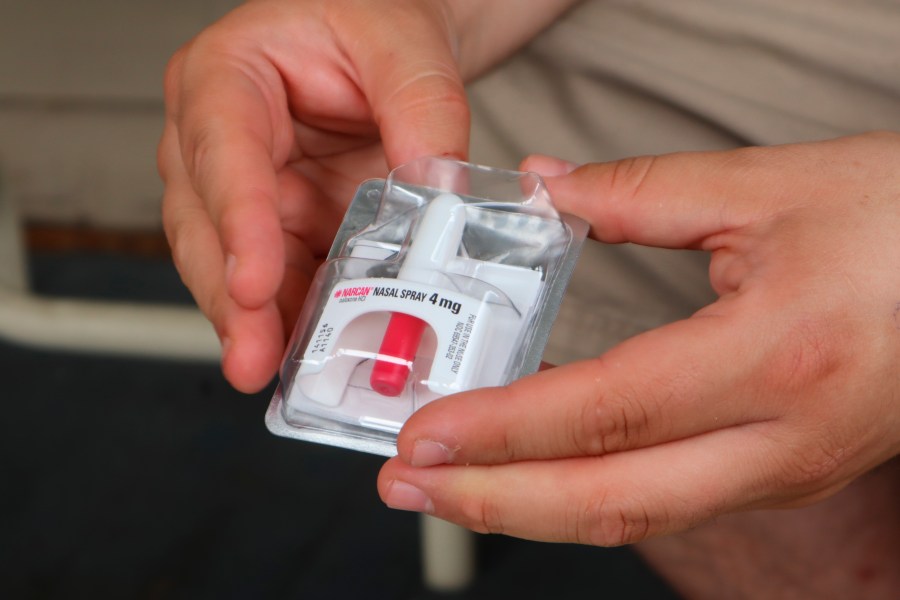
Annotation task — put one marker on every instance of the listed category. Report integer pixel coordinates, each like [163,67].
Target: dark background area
[128,478]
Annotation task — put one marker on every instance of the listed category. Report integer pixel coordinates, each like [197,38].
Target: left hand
[776,395]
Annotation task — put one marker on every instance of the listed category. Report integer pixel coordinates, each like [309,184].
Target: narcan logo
[353,292]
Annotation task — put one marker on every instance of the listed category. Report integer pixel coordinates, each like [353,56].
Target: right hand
[274,115]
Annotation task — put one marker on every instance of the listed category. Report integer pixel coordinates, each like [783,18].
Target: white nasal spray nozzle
[435,243]
[436,240]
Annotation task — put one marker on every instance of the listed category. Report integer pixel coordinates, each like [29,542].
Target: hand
[274,115]
[777,395]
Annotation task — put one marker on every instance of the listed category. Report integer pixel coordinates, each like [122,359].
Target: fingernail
[403,496]
[230,267]
[427,453]
[226,346]
[550,166]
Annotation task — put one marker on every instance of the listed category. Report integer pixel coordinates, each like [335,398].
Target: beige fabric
[615,78]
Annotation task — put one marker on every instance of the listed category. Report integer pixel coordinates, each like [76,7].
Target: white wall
[81,104]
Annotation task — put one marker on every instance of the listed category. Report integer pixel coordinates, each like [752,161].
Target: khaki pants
[616,78]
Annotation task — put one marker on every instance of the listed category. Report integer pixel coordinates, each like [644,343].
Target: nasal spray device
[443,278]
[436,242]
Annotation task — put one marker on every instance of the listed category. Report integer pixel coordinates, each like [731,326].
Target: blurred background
[143,475]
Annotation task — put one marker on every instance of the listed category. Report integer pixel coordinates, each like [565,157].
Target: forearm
[490,30]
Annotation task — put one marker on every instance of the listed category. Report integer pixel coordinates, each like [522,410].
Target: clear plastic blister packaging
[443,278]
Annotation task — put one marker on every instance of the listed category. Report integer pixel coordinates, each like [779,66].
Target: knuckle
[814,465]
[441,84]
[431,88]
[609,520]
[483,515]
[172,75]
[604,427]
[452,100]
[623,187]
[611,421]
[591,432]
[808,355]
[629,176]
[197,147]
[509,446]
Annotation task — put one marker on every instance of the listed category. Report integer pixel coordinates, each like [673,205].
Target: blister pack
[443,278]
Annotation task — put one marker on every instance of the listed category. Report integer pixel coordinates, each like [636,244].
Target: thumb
[409,74]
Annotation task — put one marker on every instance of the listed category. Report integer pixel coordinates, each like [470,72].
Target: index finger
[232,137]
